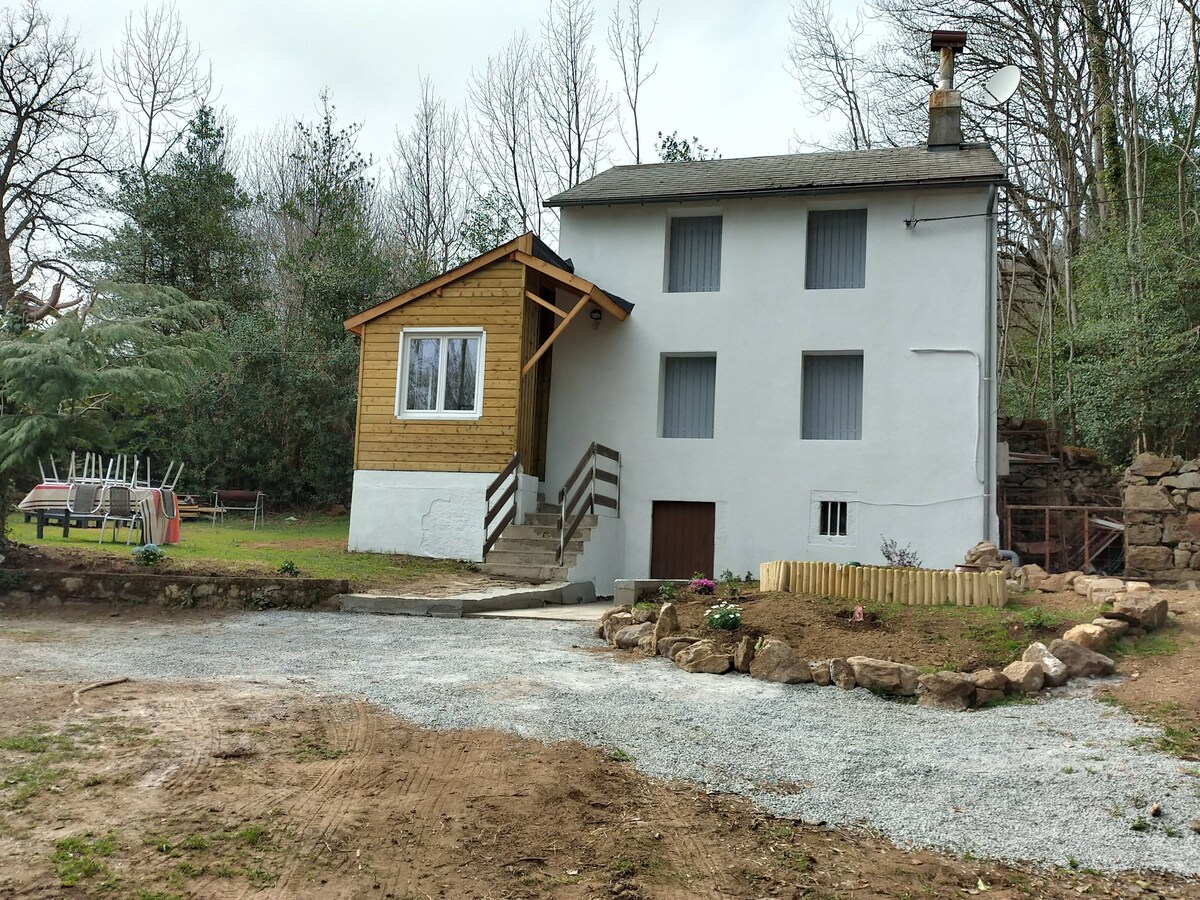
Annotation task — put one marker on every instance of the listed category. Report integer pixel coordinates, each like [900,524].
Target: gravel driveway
[1051,782]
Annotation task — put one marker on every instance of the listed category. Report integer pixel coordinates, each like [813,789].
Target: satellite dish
[1001,86]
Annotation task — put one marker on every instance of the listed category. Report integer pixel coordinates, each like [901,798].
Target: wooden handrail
[499,479]
[505,505]
[584,461]
[579,496]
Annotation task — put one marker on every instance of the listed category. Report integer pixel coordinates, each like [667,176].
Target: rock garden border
[1077,654]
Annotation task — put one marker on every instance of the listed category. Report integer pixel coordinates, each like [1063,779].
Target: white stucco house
[726,362]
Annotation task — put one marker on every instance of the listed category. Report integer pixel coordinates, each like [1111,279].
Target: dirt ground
[1163,684]
[154,791]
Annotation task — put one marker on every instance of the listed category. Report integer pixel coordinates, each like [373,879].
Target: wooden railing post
[508,498]
[580,495]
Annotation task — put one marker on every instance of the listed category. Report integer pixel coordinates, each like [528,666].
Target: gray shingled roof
[800,173]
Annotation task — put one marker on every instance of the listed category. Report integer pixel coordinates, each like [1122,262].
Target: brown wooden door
[682,538]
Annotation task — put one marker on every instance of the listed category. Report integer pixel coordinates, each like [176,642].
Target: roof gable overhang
[527,250]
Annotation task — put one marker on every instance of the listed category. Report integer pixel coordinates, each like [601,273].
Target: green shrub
[724,616]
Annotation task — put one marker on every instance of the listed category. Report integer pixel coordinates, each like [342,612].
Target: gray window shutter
[837,249]
[694,262]
[833,389]
[689,389]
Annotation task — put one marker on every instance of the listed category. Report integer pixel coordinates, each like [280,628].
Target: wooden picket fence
[884,584]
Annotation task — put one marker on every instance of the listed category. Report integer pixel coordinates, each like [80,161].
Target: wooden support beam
[562,326]
[550,306]
[566,279]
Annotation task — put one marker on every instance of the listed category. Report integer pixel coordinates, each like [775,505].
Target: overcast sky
[721,64]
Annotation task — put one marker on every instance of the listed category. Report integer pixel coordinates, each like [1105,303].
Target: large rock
[1115,627]
[1143,534]
[743,655]
[778,662]
[642,614]
[704,656]
[629,636]
[673,643]
[1103,588]
[990,680]
[1033,575]
[608,614]
[984,696]
[1148,498]
[1150,559]
[1146,610]
[820,672]
[946,690]
[1082,584]
[1025,677]
[1062,581]
[615,623]
[667,624]
[1151,465]
[842,674]
[1054,672]
[1091,636]
[1080,661]
[1188,481]
[884,676]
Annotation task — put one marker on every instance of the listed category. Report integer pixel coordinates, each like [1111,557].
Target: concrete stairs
[529,552]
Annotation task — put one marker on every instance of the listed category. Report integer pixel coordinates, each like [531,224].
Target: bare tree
[575,110]
[158,75]
[628,40]
[828,67]
[503,138]
[56,134]
[428,189]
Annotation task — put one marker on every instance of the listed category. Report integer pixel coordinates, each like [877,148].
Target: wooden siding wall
[491,298]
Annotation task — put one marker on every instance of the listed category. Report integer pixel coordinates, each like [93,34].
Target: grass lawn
[315,544]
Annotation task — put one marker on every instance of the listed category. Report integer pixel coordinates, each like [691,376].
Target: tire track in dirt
[318,815]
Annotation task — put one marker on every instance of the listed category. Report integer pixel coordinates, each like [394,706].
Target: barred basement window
[833,518]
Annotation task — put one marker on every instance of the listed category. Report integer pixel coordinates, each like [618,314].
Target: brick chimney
[945,103]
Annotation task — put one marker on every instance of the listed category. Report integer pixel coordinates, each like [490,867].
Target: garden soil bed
[937,637]
[225,790]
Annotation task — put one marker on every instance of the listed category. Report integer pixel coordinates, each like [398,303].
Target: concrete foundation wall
[438,514]
[603,556]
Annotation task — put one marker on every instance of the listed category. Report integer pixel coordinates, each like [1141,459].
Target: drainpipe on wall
[991,527]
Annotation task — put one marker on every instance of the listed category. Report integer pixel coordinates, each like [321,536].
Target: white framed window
[440,373]
[833,518]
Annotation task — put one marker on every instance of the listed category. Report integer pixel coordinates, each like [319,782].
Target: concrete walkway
[510,597]
[579,612]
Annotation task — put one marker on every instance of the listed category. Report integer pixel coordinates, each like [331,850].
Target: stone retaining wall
[1162,518]
[21,588]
